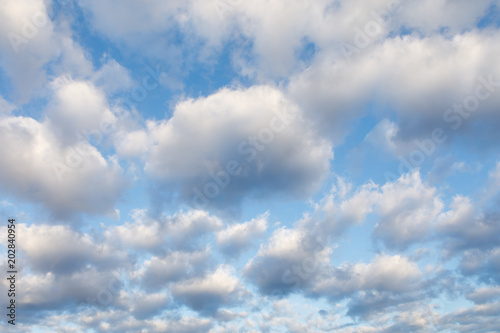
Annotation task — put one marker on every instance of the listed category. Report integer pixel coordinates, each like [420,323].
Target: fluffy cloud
[292,257]
[29,44]
[180,231]
[208,293]
[279,33]
[239,237]
[384,273]
[418,87]
[237,143]
[49,291]
[79,109]
[407,209]
[32,41]
[60,250]
[122,321]
[485,295]
[479,318]
[158,272]
[467,227]
[65,178]
[287,262]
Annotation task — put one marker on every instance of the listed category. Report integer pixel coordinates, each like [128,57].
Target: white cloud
[467,226]
[237,143]
[28,45]
[180,231]
[132,144]
[238,237]
[158,272]
[113,77]
[5,107]
[32,42]
[485,295]
[60,250]
[407,209]
[63,178]
[79,108]
[419,86]
[384,273]
[288,261]
[208,293]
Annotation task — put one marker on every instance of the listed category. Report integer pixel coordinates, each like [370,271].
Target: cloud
[287,262]
[385,273]
[112,77]
[36,47]
[78,110]
[253,98]
[180,231]
[431,16]
[208,293]
[237,238]
[63,178]
[277,33]
[419,88]
[62,251]
[483,264]
[130,17]
[406,209]
[235,144]
[5,107]
[485,295]
[158,272]
[121,321]
[479,318]
[466,226]
[28,45]
[51,291]
[292,257]
[143,306]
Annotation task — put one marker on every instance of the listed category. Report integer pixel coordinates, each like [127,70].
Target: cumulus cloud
[32,42]
[419,88]
[206,294]
[237,238]
[235,144]
[49,291]
[112,77]
[279,32]
[384,273]
[5,107]
[142,305]
[287,262]
[61,250]
[479,318]
[62,177]
[29,44]
[468,227]
[122,321]
[485,295]
[158,272]
[180,231]
[79,108]
[292,257]
[407,209]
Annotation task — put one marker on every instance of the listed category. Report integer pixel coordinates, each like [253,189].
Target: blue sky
[265,166]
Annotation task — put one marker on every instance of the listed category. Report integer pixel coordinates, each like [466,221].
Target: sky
[251,166]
